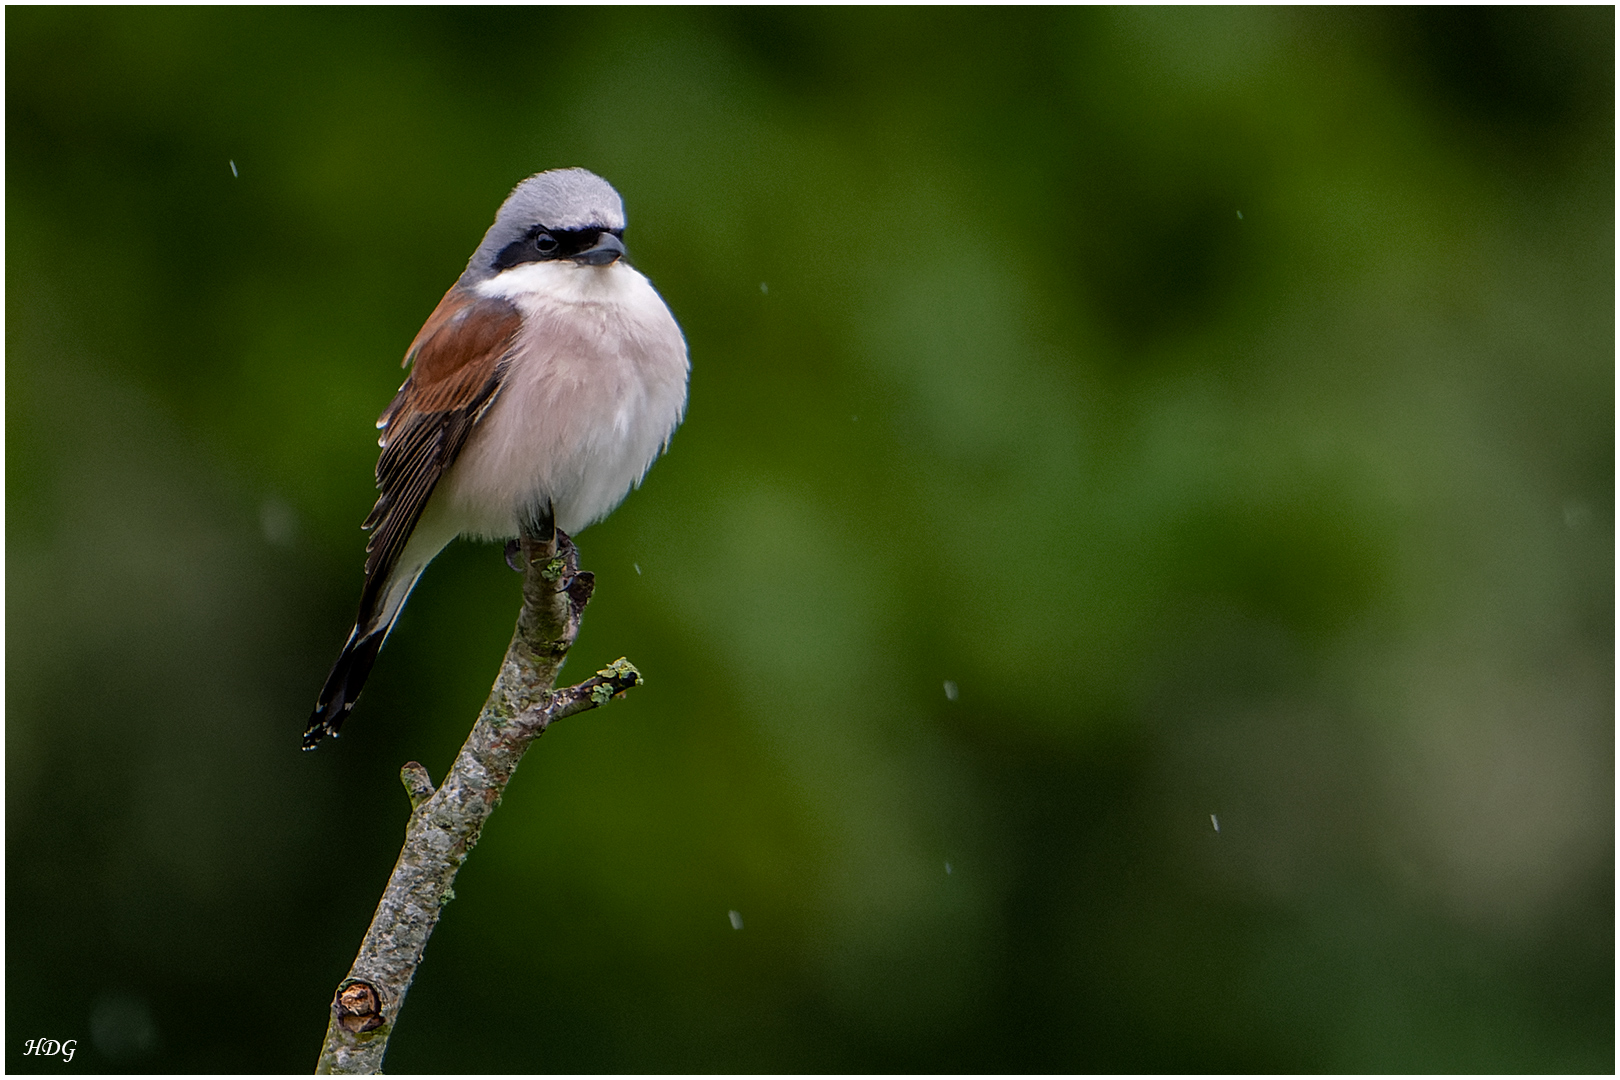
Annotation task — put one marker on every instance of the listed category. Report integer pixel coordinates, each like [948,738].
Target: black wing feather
[459,358]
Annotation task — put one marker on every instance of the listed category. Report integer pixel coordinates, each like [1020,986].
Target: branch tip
[623,671]
[418,785]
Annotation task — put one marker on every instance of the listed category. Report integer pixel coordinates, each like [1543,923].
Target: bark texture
[445,823]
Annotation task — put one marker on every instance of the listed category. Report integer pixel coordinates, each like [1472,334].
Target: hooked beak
[608,249]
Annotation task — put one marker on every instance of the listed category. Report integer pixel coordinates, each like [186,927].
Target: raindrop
[950,690]
[233,169]
[278,522]
[764,288]
[638,568]
[736,920]
[1215,821]
[947,868]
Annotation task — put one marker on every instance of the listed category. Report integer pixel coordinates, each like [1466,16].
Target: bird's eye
[545,243]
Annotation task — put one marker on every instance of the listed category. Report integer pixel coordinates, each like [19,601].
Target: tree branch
[445,823]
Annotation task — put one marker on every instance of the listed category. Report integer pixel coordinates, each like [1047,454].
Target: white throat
[564,281]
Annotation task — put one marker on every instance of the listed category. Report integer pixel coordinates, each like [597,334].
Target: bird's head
[561,215]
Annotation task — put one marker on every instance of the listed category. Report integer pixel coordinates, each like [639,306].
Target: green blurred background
[1222,401]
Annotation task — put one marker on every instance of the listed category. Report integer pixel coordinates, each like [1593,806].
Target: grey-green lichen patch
[500,710]
[623,670]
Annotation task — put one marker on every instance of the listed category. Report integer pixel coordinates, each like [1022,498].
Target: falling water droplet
[278,521]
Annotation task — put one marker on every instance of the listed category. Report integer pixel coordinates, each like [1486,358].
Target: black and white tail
[343,685]
[359,653]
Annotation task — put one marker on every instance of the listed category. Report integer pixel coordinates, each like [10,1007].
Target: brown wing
[456,364]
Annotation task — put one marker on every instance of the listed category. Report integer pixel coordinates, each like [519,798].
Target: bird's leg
[539,526]
[540,523]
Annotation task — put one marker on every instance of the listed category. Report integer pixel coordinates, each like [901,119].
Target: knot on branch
[358,1007]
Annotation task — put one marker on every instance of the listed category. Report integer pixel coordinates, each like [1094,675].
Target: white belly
[591,396]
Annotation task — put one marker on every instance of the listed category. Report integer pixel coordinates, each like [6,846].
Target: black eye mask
[543,245]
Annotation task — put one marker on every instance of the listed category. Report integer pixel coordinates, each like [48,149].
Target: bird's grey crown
[557,199]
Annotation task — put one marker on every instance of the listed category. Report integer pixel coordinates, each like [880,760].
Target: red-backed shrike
[541,389]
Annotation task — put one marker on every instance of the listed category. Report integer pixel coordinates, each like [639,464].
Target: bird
[540,391]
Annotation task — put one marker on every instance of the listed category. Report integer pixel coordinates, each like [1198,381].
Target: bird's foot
[580,587]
